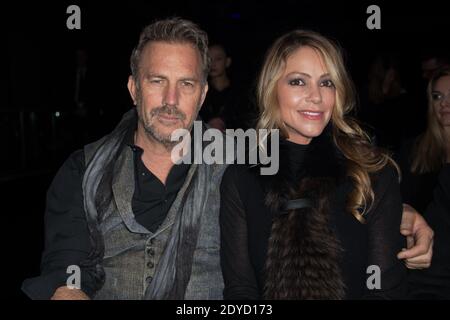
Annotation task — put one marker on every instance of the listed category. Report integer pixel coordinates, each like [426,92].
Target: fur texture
[303,252]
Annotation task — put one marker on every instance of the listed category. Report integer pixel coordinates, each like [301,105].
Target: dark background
[39,126]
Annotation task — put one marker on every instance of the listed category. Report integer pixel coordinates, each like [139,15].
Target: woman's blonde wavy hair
[429,153]
[362,157]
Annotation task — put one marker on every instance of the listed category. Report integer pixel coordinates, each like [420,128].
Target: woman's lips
[311,115]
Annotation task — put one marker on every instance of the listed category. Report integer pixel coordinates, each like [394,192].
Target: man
[153,225]
[226,106]
[217,101]
[144,214]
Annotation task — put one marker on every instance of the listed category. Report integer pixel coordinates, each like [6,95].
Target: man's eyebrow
[154,75]
[189,79]
[160,76]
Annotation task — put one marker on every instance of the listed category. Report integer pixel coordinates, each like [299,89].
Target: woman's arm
[385,241]
[238,273]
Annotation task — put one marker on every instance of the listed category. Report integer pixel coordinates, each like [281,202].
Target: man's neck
[156,157]
[221,82]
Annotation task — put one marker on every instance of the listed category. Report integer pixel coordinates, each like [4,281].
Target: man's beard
[149,123]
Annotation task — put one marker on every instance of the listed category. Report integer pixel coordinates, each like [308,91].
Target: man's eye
[187,84]
[327,83]
[156,81]
[296,82]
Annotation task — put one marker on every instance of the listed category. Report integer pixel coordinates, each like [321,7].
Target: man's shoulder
[69,174]
[90,148]
[77,159]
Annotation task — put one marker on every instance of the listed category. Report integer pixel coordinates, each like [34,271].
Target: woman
[423,158]
[326,225]
[425,165]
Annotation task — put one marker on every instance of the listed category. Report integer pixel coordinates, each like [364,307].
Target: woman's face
[306,95]
[441,100]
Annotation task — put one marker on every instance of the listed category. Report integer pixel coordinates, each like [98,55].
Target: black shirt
[231,105]
[417,188]
[246,226]
[429,193]
[434,282]
[152,199]
[67,239]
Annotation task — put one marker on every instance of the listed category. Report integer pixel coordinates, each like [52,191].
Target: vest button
[150,265]
[151,252]
[149,279]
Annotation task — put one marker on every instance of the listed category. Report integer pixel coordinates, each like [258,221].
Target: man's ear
[228,63]
[132,89]
[204,92]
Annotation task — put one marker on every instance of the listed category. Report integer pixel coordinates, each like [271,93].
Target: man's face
[170,89]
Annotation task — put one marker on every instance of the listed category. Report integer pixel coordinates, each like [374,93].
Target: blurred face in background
[440,95]
[429,66]
[219,61]
[306,95]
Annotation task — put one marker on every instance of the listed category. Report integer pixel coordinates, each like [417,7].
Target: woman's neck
[447,142]
[220,83]
[299,140]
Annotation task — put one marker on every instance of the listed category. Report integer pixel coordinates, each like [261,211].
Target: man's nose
[171,94]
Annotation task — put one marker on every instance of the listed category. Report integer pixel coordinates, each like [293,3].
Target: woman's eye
[296,82]
[327,83]
[436,96]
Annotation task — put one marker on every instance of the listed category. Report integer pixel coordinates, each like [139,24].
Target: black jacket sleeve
[385,240]
[238,273]
[434,282]
[67,240]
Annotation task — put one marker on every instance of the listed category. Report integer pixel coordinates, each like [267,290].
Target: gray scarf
[174,268]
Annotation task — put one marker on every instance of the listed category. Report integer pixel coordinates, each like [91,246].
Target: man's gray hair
[172,30]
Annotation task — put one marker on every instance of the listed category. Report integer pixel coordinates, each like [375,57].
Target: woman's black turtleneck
[296,153]
[246,226]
